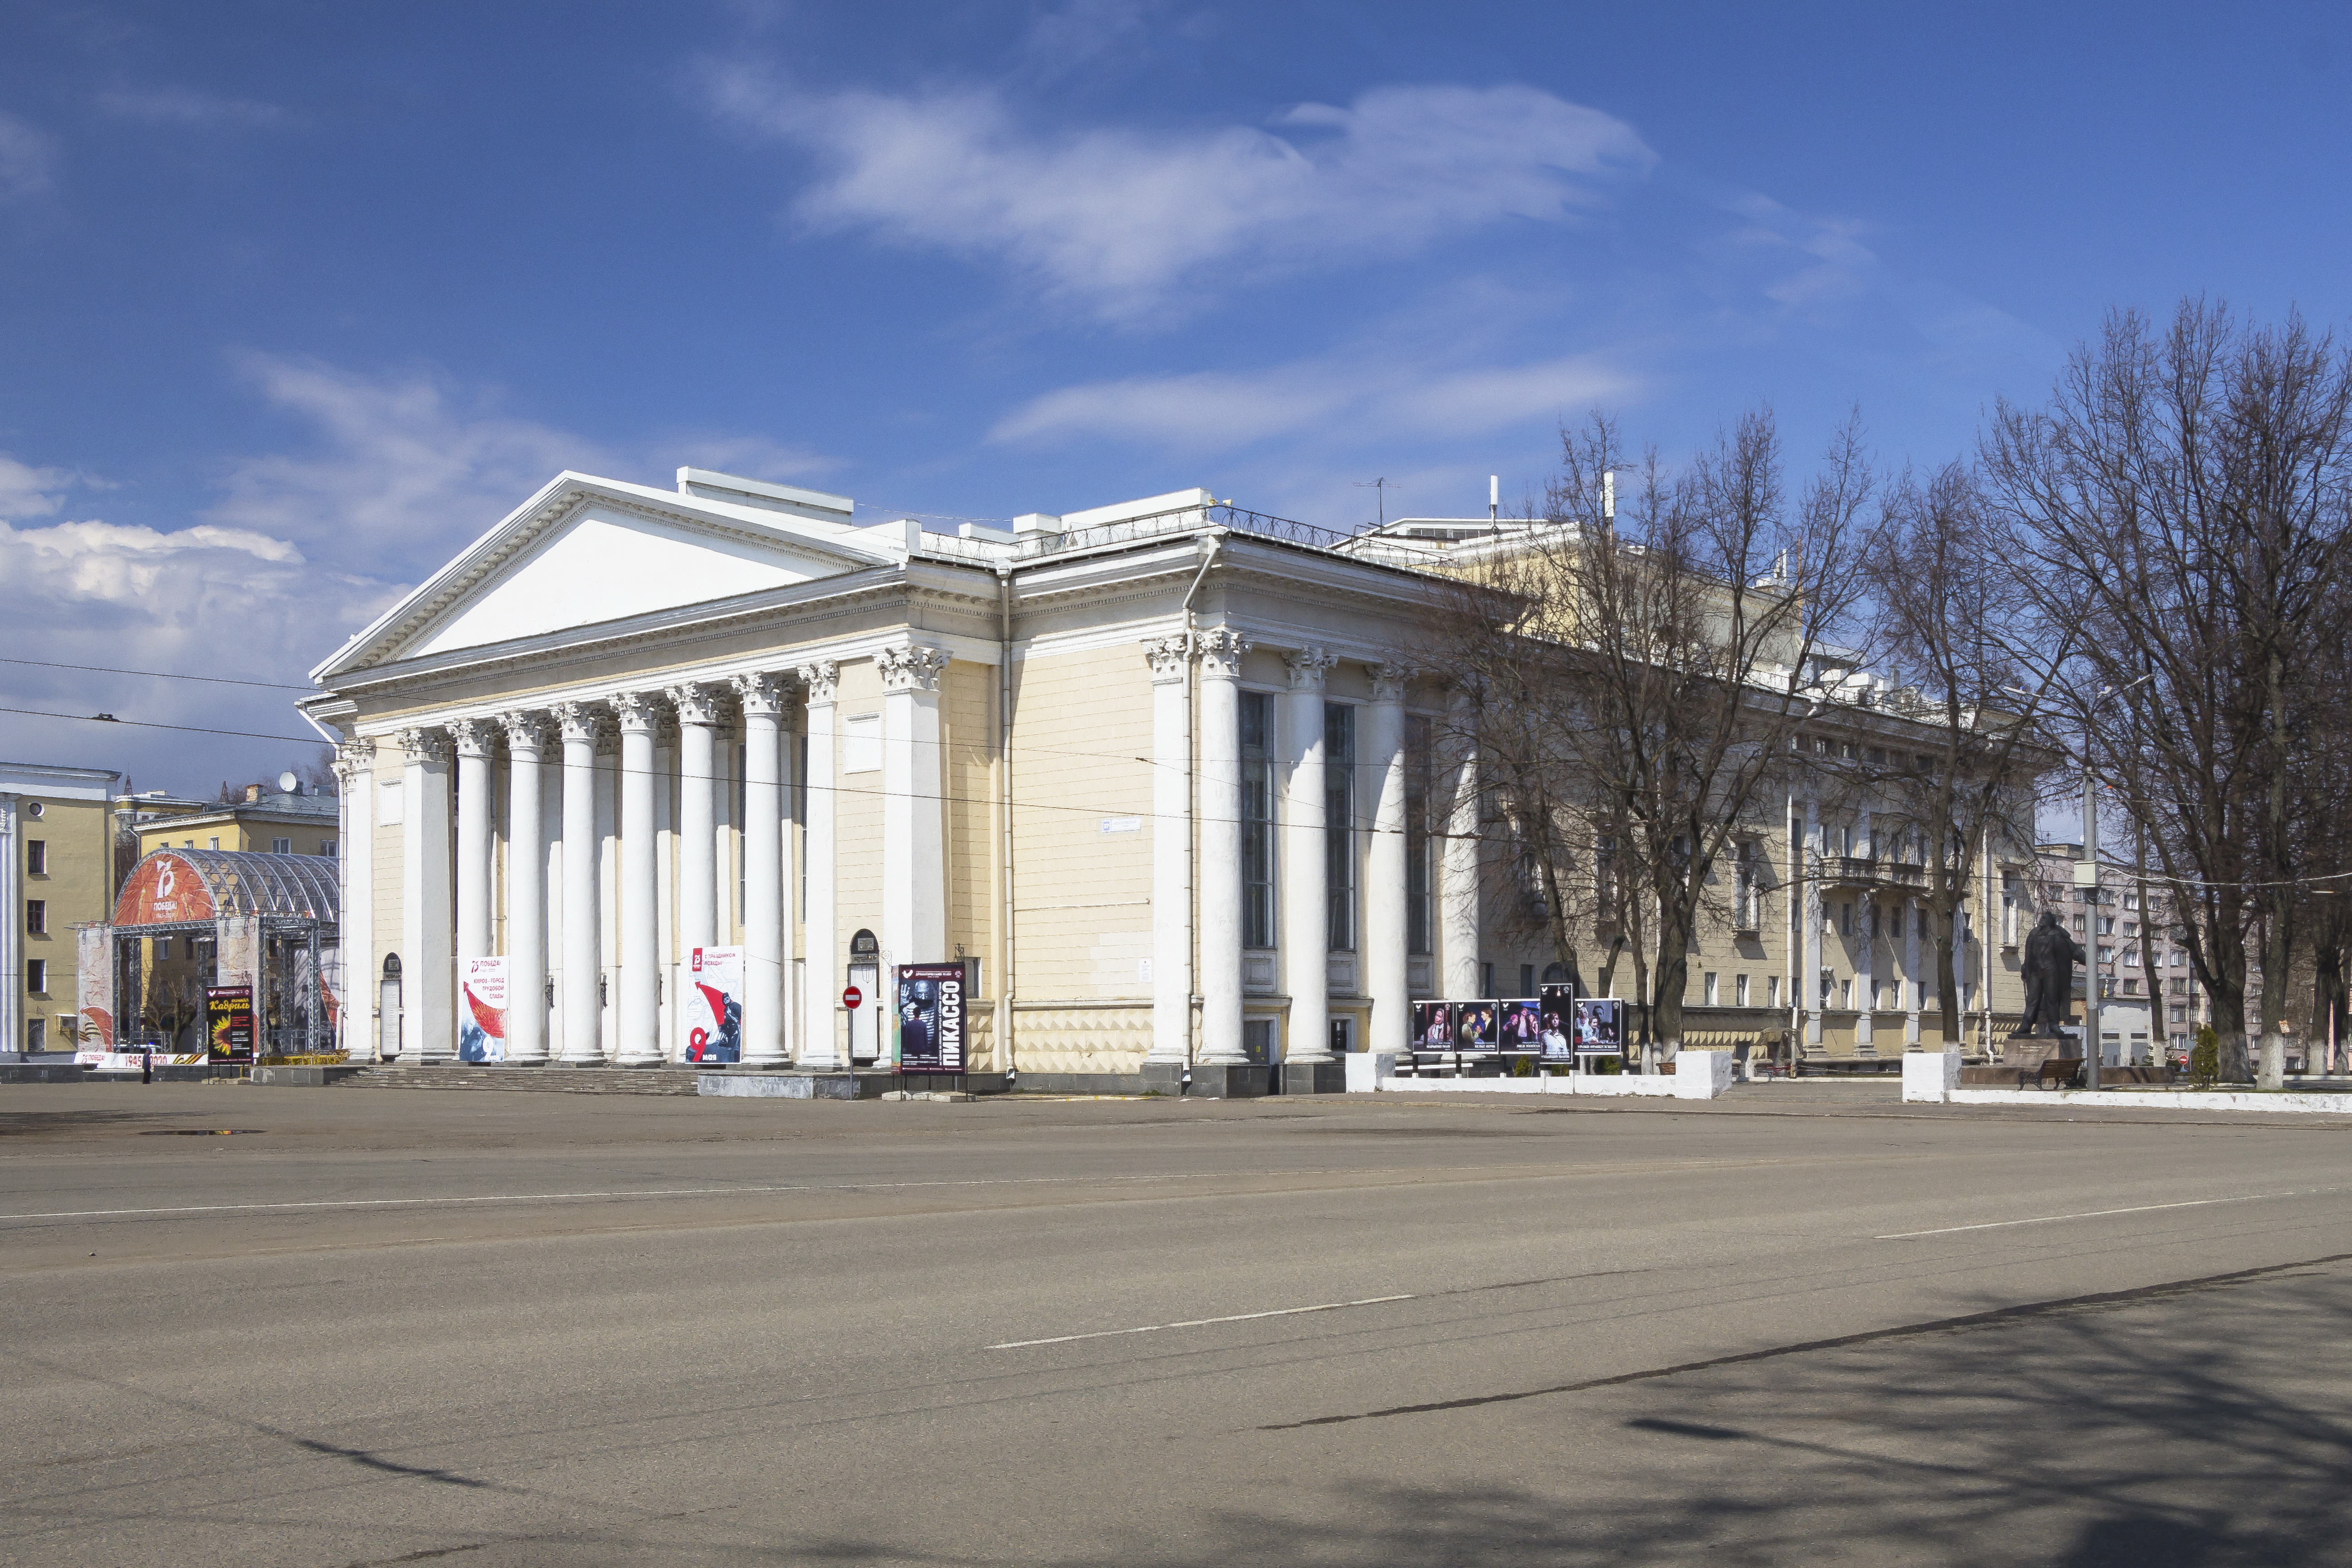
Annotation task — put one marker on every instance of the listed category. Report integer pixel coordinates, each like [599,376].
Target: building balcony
[1859,871]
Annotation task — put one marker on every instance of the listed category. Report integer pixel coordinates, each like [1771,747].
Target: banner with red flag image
[714,1004]
[482,1021]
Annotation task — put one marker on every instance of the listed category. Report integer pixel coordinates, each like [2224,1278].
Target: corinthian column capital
[1220,649]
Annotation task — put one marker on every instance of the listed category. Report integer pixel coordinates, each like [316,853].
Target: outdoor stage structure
[230,955]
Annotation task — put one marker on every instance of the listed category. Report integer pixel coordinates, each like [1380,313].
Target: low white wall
[1930,1077]
[2157,1099]
[1697,1075]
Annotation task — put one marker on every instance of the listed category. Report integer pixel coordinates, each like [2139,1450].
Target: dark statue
[2051,955]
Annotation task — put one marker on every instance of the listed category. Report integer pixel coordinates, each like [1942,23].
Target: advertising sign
[1432,1026]
[1600,1025]
[714,1008]
[228,1022]
[482,1022]
[1474,1026]
[164,889]
[1559,1007]
[1522,1024]
[931,1017]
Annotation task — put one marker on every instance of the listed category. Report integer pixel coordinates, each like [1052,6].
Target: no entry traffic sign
[851,996]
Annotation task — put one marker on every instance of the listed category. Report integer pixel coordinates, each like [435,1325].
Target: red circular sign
[851,996]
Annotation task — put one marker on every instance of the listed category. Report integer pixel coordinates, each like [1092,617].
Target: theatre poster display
[228,1022]
[1522,1024]
[1474,1026]
[1432,1026]
[1600,1026]
[1559,1007]
[482,1028]
[714,1027]
[931,1017]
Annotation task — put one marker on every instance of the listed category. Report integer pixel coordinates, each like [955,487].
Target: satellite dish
[287,783]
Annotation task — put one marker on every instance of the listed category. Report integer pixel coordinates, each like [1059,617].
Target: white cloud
[28,158]
[1119,220]
[184,105]
[27,491]
[1349,396]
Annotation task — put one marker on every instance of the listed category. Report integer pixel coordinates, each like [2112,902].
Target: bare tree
[1634,677]
[2180,506]
[1947,618]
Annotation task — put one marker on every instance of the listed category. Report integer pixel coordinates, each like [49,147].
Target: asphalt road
[1798,1326]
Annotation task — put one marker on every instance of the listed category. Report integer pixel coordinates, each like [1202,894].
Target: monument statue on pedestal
[2051,955]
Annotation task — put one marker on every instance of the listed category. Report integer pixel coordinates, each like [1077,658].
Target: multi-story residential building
[56,846]
[1156,773]
[2148,1012]
[288,820]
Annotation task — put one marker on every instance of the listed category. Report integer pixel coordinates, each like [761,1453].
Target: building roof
[171,887]
[55,781]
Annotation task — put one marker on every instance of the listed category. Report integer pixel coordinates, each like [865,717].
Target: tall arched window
[388,1009]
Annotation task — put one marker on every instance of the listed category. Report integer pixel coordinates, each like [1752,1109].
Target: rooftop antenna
[1381,489]
[1494,503]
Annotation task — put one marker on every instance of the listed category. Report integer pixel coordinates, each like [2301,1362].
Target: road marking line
[636,1193]
[1200,1322]
[2094,1213]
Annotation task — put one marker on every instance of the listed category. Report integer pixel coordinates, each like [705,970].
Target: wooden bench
[2063,1072]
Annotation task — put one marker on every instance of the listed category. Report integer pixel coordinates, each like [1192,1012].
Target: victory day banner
[714,1004]
[482,1023]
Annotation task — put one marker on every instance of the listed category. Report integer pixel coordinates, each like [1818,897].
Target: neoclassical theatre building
[1153,770]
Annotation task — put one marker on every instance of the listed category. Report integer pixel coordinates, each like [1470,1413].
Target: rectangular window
[2131,958]
[212,844]
[2131,901]
[1773,991]
[36,975]
[1896,921]
[1845,918]
[162,950]
[1258,819]
[1740,991]
[37,915]
[1710,990]
[2180,1013]
[2131,987]
[1527,979]
[2106,955]
[327,847]
[1339,825]
[1486,979]
[37,856]
[861,743]
[1745,916]
[281,846]
[1845,993]
[1419,922]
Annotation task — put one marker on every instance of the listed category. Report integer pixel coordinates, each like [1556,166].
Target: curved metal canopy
[172,887]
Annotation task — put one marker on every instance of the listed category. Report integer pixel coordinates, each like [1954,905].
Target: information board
[714,1007]
[931,1017]
[228,1022]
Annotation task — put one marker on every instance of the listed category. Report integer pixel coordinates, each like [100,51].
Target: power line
[158,674]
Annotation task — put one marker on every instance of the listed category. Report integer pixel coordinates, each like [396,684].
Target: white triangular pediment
[604,563]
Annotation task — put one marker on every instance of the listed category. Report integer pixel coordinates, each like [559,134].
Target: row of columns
[448,837]
[1215,656]
[1814,914]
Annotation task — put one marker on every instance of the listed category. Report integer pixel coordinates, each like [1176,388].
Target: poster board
[930,1002]
[1556,1005]
[714,1007]
[1478,1025]
[482,1020]
[1432,1026]
[1599,1026]
[1522,1025]
[228,1022]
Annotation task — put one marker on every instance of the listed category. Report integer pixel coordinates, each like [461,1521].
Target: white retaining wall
[1933,1077]
[1697,1075]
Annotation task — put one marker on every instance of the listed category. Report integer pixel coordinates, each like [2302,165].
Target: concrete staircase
[677,1080]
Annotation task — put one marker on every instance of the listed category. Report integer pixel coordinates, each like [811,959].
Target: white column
[1305,914]
[473,738]
[697,783]
[1911,912]
[526,892]
[821,1030]
[427,937]
[355,842]
[640,933]
[1809,977]
[1385,963]
[914,885]
[763,868]
[1865,972]
[584,959]
[1172,848]
[1221,847]
[1458,885]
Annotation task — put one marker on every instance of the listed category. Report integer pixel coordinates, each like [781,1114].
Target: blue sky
[295,298]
